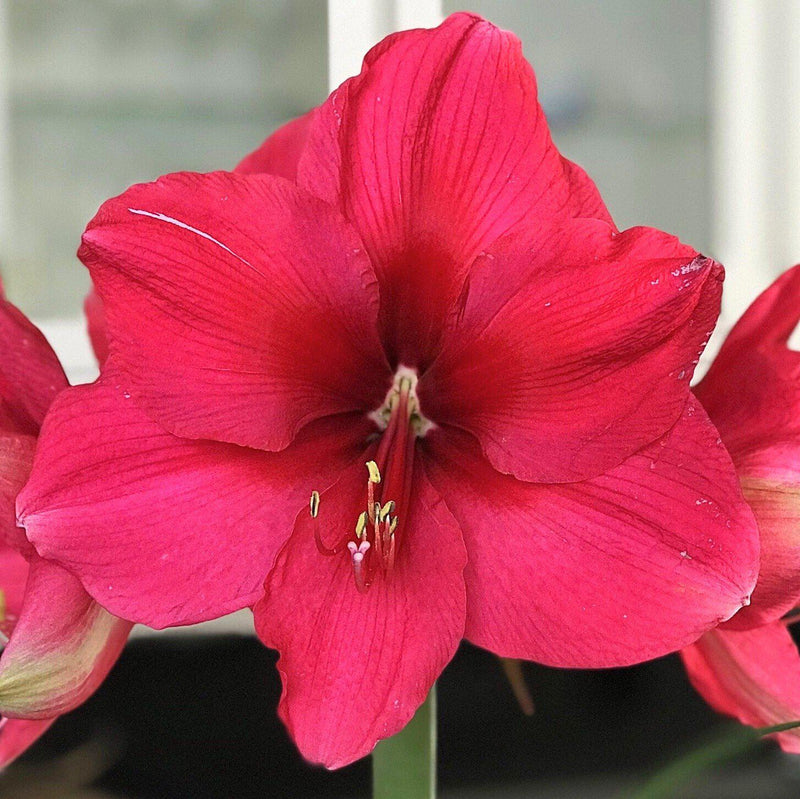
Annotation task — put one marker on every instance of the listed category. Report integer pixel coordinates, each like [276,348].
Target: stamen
[374,479]
[390,557]
[313,507]
[379,526]
[374,472]
[376,526]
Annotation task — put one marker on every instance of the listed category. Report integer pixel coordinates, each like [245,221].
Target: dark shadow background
[196,717]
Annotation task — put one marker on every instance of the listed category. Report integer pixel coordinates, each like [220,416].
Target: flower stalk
[405,764]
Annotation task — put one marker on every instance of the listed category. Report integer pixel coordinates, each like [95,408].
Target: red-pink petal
[165,530]
[61,649]
[96,325]
[574,347]
[435,150]
[262,293]
[30,377]
[356,666]
[752,393]
[16,460]
[752,390]
[614,570]
[280,153]
[775,501]
[13,577]
[17,735]
[753,675]
[30,374]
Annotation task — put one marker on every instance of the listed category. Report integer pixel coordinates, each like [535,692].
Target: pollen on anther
[313,504]
[374,472]
[361,524]
[387,509]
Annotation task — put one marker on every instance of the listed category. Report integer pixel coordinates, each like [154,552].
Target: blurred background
[684,113]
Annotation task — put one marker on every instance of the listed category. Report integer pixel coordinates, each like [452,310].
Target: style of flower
[60,643]
[749,667]
[417,379]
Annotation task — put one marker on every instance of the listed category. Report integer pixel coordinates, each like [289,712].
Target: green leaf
[732,742]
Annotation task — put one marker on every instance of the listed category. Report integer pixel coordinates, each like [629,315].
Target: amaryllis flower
[417,380]
[750,667]
[60,643]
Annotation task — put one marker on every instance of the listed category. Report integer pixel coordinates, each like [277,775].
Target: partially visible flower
[60,643]
[422,286]
[280,153]
[749,667]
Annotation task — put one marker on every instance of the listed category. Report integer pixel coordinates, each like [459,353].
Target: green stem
[404,766]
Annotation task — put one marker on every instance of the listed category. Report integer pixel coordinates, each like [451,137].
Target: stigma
[373,542]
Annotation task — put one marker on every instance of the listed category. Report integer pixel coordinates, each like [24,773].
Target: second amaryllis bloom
[750,666]
[59,644]
[416,379]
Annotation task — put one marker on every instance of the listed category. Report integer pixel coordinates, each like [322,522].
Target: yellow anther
[361,524]
[374,472]
[393,525]
[386,510]
[313,505]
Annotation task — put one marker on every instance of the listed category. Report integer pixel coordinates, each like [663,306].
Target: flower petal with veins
[619,569]
[753,675]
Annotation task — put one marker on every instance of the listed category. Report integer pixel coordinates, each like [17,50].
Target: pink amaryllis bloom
[59,643]
[750,667]
[408,308]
